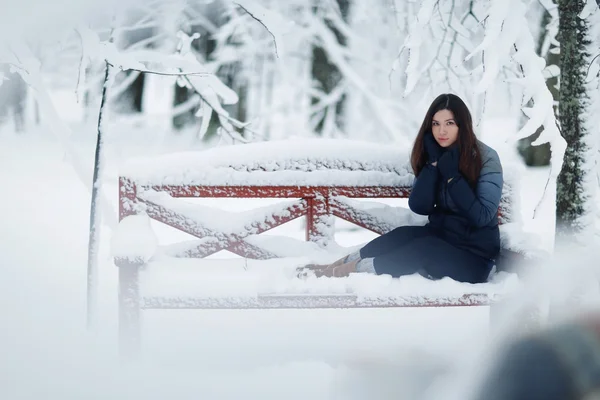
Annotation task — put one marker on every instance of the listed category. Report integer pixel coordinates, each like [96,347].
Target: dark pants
[410,249]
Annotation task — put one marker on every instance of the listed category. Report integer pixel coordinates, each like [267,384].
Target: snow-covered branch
[329,42]
[173,64]
[27,65]
[182,64]
[507,37]
[413,43]
[440,34]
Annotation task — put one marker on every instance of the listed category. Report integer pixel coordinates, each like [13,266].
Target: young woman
[458,185]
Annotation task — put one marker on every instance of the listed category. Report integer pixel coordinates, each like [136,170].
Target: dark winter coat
[463,216]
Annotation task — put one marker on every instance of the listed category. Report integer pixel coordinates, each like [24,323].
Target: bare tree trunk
[95,217]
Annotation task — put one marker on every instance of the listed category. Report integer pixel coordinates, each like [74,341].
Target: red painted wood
[283,191]
[310,219]
[318,229]
[127,197]
[242,248]
[230,241]
[247,250]
[359,217]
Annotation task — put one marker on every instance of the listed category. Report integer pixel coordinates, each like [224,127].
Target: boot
[323,266]
[337,271]
[304,270]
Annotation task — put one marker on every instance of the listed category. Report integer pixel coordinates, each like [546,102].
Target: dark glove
[432,148]
[448,163]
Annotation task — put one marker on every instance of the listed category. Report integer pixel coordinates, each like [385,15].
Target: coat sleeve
[480,206]
[422,197]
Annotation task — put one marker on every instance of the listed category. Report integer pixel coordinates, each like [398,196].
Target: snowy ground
[318,354]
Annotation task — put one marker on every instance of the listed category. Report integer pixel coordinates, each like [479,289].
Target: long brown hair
[470,156]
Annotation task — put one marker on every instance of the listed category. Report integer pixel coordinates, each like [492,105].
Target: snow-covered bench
[318,178]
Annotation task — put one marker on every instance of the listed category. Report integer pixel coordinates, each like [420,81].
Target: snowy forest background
[159,76]
[190,74]
[200,73]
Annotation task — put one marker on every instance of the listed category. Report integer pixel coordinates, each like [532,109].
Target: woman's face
[444,128]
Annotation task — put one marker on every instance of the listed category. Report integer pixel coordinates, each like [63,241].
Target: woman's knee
[396,264]
[406,234]
[416,230]
[393,240]
[462,268]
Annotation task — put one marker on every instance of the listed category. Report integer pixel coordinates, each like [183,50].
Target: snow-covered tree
[577,114]
[13,99]
[544,26]
[271,45]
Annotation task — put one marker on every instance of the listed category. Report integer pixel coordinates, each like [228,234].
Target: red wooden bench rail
[319,200]
[317,203]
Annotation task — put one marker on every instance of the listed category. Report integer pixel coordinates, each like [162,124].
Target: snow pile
[513,237]
[330,162]
[386,217]
[509,203]
[134,239]
[203,278]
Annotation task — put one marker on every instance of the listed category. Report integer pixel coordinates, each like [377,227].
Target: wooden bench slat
[235,191]
[312,301]
[359,217]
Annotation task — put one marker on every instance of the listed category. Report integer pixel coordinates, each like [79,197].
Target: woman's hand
[448,163]
[432,149]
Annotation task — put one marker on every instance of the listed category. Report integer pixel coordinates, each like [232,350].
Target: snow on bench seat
[329,162]
[189,283]
[311,302]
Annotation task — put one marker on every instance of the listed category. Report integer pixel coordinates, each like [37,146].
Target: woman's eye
[435,124]
[450,122]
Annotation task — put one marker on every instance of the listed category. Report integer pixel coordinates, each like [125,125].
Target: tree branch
[260,22]
[162,73]
[443,39]
[233,121]
[591,62]
[539,204]
[80,70]
[471,13]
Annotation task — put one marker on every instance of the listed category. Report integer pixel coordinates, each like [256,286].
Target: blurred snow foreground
[545,343]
